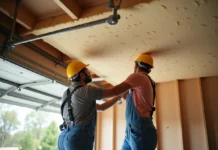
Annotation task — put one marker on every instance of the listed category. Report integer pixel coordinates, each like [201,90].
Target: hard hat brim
[152,67]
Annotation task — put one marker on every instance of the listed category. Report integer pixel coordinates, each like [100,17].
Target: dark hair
[77,76]
[144,67]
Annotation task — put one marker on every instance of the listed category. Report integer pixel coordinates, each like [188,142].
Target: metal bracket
[7,45]
[13,88]
[14,19]
[5,48]
[46,104]
[36,83]
[113,19]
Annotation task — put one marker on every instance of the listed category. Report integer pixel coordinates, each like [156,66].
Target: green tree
[26,142]
[34,122]
[8,123]
[13,140]
[49,141]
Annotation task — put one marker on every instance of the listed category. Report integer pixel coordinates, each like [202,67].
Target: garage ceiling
[181,36]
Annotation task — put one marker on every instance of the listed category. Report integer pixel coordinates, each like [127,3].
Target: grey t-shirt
[83,103]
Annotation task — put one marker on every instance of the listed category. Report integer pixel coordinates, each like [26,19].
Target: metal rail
[109,20]
[14,19]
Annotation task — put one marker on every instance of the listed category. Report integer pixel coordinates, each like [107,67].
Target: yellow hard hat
[75,67]
[145,58]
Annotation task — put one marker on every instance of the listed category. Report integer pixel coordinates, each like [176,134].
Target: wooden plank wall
[193,118]
[168,116]
[120,125]
[106,135]
[186,117]
[210,98]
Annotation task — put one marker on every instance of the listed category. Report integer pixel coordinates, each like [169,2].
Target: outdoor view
[27,129]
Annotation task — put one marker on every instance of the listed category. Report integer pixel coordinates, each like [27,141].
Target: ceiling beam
[105,84]
[24,16]
[5,21]
[66,59]
[52,51]
[48,48]
[89,12]
[70,7]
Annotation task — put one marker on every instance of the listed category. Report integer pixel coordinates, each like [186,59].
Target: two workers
[79,108]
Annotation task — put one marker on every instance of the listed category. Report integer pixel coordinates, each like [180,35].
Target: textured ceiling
[180,34]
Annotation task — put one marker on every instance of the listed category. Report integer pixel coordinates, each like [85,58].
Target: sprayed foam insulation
[181,36]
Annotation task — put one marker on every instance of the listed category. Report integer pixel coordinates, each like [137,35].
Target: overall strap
[154,95]
[70,111]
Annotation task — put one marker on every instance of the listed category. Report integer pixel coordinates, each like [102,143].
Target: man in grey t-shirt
[82,102]
[78,130]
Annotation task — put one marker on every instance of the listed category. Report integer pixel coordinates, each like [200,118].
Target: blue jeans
[76,138]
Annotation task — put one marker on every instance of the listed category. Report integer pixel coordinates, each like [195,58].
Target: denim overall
[140,132]
[78,137]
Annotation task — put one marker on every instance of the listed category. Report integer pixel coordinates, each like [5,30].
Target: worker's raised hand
[124,95]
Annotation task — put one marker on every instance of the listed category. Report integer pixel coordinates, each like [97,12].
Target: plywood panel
[193,120]
[120,125]
[113,127]
[210,96]
[98,132]
[168,117]
[106,133]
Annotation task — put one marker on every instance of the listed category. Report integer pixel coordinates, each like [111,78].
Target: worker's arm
[107,104]
[116,90]
[124,95]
